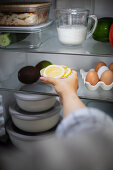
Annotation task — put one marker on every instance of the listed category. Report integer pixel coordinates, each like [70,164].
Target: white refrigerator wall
[87,4]
[10,63]
[104,8]
[101,8]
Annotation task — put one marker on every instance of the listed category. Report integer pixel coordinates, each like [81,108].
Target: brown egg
[100,64]
[107,77]
[111,67]
[92,77]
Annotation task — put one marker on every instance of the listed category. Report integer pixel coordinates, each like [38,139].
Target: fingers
[54,81]
[74,74]
[48,80]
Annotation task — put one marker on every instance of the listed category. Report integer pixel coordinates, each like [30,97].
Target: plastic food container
[26,141]
[16,37]
[30,122]
[24,14]
[34,102]
[99,84]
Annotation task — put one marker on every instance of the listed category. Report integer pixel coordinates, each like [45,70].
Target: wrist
[69,94]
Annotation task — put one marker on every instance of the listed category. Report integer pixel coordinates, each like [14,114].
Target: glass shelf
[12,84]
[106,107]
[51,45]
[89,47]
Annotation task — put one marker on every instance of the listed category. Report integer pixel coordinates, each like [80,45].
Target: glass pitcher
[74,26]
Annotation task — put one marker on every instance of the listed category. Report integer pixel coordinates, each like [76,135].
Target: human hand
[64,86]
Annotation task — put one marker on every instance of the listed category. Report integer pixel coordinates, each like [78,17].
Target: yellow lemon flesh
[54,71]
[64,66]
[67,72]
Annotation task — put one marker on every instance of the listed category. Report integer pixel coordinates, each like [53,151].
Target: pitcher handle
[90,33]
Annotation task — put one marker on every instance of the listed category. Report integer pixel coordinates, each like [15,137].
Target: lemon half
[54,71]
[67,72]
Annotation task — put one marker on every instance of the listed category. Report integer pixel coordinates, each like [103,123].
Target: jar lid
[26,136]
[14,110]
[37,87]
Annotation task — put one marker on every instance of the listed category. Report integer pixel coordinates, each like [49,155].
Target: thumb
[74,74]
[48,80]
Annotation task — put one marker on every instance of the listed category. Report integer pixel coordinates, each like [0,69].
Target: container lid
[36,87]
[27,29]
[15,111]
[26,136]
[23,7]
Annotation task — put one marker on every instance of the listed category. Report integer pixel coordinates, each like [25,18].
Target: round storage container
[27,141]
[34,102]
[35,122]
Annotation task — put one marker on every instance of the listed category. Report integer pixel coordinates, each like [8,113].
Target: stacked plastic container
[22,25]
[34,117]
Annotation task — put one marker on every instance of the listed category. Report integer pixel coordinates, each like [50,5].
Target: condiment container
[73,25]
[26,141]
[24,14]
[34,102]
[30,122]
[99,84]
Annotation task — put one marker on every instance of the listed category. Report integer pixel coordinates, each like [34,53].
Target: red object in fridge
[111,35]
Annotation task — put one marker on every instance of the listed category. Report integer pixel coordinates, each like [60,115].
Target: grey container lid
[25,136]
[15,111]
[37,87]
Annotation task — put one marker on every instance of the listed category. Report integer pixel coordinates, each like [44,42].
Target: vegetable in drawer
[7,39]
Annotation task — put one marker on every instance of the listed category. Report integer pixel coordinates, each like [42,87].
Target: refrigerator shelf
[89,48]
[23,38]
[12,84]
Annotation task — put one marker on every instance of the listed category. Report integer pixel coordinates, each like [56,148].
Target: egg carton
[99,84]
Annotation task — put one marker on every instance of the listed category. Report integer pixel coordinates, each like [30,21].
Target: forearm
[71,103]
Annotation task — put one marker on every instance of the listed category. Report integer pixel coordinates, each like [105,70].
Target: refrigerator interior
[10,68]
[11,61]
[101,8]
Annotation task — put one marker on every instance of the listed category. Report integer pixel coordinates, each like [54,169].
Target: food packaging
[24,14]
[26,141]
[16,37]
[99,84]
[34,102]
[30,122]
